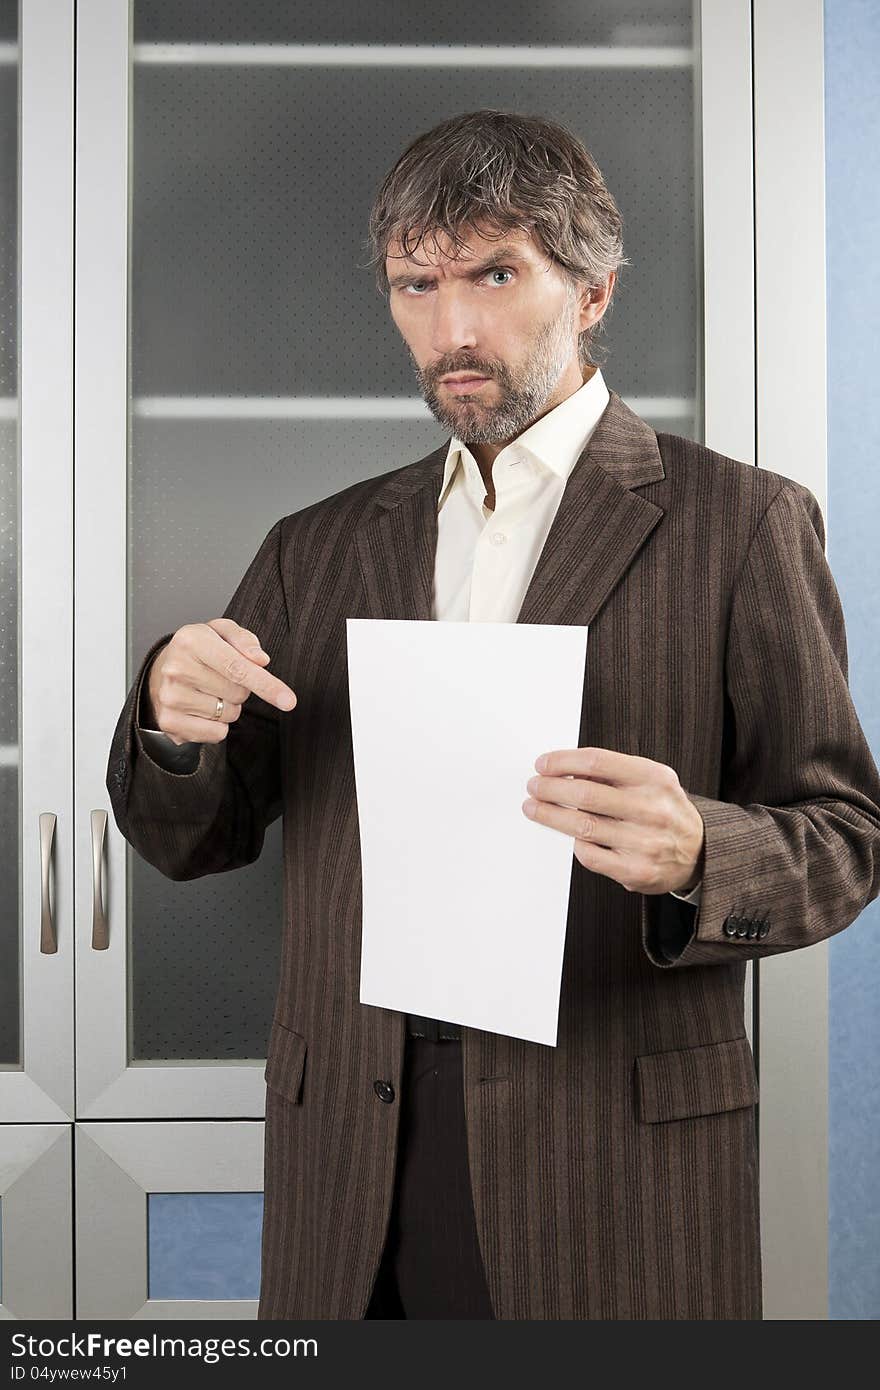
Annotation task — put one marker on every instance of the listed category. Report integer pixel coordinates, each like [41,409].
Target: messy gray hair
[505,170]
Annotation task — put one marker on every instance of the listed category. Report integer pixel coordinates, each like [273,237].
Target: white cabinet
[200,351]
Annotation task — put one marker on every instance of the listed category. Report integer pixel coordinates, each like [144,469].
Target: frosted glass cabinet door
[36,590]
[235,363]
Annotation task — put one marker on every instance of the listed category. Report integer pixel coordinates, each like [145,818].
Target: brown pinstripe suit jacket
[614,1176]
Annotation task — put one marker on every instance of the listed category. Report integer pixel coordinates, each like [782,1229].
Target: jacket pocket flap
[284,1061]
[696,1080]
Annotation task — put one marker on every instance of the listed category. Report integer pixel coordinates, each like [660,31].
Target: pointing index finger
[237,667]
[262,682]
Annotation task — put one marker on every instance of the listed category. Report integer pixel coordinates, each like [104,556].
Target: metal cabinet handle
[48,938]
[100,930]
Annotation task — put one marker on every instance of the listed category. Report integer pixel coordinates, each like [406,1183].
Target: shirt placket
[495,554]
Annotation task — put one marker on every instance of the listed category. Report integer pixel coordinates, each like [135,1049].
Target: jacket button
[729,927]
[743,928]
[763,927]
[384,1090]
[753,930]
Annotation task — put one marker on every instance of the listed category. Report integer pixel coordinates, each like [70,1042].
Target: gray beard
[521,404]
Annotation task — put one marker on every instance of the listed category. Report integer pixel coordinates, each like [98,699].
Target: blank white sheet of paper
[465,899]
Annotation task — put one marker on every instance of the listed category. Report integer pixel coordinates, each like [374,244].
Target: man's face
[504,310]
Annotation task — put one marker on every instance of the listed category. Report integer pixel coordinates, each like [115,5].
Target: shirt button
[498,538]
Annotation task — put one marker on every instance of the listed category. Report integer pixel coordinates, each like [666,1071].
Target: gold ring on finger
[219,709]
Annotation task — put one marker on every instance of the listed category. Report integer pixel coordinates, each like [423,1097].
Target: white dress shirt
[485,559]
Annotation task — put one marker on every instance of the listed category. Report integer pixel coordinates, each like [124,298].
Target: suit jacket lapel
[599,528]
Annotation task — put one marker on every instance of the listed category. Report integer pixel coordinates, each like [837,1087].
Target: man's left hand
[630,817]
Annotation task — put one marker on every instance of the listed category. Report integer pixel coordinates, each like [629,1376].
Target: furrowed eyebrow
[504,254]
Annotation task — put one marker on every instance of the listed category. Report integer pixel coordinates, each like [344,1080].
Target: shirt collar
[555,441]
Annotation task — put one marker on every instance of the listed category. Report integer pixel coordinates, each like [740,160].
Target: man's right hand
[201,662]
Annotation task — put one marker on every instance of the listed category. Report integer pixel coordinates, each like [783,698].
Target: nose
[453,326]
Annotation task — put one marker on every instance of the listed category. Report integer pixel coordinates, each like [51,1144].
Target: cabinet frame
[41,1089]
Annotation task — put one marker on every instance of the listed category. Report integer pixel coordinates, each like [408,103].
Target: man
[722,802]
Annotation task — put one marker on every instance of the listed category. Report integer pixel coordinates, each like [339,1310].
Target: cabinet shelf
[342,407]
[411,55]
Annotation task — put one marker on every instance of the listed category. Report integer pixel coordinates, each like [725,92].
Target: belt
[434,1028]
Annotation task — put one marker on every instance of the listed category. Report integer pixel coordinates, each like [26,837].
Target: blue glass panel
[852,137]
[204,1244]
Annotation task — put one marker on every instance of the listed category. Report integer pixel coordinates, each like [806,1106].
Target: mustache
[434,377]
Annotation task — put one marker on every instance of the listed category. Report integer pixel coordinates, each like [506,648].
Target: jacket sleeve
[792,850]
[176,757]
[213,817]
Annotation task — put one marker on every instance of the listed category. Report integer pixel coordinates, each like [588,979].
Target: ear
[595,301]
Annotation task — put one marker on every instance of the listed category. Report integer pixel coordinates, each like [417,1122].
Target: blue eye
[493,270]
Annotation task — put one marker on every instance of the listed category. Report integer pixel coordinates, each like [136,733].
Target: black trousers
[431,1266]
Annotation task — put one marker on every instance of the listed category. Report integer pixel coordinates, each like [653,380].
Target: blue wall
[852,142]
